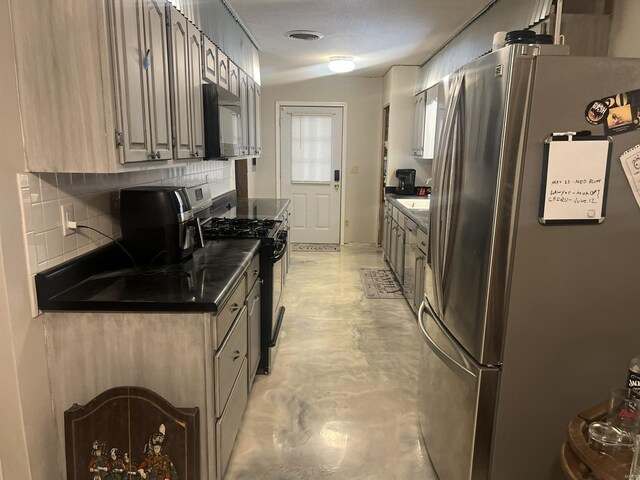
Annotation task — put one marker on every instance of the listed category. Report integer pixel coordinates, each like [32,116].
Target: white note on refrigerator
[631,166]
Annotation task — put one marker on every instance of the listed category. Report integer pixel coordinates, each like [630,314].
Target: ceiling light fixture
[341,64]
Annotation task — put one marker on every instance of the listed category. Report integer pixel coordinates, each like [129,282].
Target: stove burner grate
[238,228]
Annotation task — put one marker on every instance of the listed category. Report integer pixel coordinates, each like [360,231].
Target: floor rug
[380,283]
[315,247]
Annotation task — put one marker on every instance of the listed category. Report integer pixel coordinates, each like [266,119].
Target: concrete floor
[341,402]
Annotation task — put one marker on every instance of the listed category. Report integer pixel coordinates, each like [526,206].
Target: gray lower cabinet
[191,359]
[399,253]
[253,308]
[420,269]
[229,359]
[410,250]
[228,425]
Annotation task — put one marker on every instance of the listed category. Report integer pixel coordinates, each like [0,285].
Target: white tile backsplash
[93,199]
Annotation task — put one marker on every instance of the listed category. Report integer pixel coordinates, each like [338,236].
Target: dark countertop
[200,284]
[253,208]
[421,217]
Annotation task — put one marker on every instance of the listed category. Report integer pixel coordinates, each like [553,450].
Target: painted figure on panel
[98,465]
[156,465]
[129,467]
[117,468]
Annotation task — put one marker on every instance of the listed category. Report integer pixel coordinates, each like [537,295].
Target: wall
[25,384]
[476,39]
[93,201]
[399,87]
[364,136]
[624,40]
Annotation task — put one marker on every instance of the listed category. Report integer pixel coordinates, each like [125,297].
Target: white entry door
[311,159]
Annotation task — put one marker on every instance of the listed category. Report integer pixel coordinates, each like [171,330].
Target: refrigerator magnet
[620,113]
[575,178]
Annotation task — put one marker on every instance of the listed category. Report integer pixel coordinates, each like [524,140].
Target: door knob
[337,186]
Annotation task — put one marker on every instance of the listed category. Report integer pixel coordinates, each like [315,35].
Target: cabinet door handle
[158,155]
[236,355]
[235,307]
[255,272]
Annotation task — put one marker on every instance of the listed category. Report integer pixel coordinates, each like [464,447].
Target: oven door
[279,264]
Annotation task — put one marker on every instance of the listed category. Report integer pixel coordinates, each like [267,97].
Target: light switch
[355,169]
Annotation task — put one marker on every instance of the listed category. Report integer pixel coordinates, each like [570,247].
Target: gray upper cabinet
[244,111]
[121,84]
[234,80]
[186,61]
[178,27]
[419,110]
[142,66]
[209,61]
[223,70]
[258,100]
[158,79]
[131,80]
[251,89]
[195,67]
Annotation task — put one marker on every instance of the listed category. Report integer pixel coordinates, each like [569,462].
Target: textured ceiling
[377,33]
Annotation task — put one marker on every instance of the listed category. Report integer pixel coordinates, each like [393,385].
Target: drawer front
[411,226]
[230,311]
[253,353]
[253,272]
[228,361]
[228,426]
[423,242]
[401,220]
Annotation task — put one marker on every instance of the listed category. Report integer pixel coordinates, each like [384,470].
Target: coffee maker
[157,224]
[407,181]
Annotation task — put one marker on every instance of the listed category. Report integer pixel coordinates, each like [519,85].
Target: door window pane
[311,148]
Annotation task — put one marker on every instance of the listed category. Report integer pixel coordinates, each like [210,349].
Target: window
[311,148]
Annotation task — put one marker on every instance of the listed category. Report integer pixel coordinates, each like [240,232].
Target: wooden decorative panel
[126,432]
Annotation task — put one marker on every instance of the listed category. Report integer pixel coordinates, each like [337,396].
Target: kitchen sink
[415,203]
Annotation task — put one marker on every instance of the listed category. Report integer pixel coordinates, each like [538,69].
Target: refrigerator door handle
[457,134]
[444,356]
[444,152]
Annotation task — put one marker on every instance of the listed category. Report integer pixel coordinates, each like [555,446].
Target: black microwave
[222,123]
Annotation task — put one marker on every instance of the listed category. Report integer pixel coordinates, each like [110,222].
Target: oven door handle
[279,255]
[274,341]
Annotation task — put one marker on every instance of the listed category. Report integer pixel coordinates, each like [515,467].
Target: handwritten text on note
[576,177]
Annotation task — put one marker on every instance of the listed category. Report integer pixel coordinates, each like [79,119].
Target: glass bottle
[633,379]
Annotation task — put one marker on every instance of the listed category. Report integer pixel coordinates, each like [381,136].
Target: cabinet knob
[158,154]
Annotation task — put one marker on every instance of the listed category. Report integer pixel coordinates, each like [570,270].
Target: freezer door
[472,200]
[456,404]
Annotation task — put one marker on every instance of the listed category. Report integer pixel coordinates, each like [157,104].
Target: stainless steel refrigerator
[524,325]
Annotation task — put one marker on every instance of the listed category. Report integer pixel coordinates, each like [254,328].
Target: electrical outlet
[67,215]
[346,223]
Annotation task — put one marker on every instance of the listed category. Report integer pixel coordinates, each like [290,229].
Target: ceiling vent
[307,35]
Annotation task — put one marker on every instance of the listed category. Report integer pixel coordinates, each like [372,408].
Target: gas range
[273,236]
[218,228]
